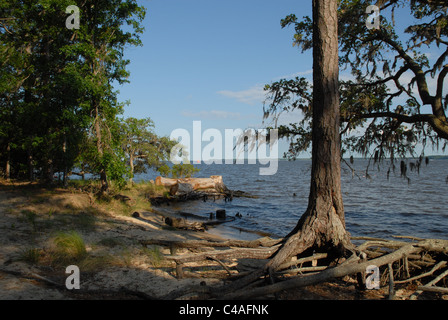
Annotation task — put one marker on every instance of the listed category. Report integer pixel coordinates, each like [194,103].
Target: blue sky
[208,60]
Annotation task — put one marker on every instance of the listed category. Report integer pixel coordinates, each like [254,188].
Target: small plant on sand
[152,190]
[96,263]
[125,257]
[30,217]
[154,255]
[30,255]
[69,248]
[51,212]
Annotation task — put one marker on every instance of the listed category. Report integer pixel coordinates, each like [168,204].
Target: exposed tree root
[401,262]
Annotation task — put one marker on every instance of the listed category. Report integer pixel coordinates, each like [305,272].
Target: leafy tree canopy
[58,105]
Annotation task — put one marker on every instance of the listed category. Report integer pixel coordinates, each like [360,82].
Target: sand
[117,266]
[132,267]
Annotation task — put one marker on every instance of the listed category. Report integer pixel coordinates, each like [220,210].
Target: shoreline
[124,257]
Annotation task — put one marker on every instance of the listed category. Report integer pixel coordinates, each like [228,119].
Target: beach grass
[69,247]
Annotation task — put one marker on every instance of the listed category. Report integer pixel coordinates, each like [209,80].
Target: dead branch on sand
[403,261]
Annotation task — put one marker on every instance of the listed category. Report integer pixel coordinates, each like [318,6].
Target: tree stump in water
[221,214]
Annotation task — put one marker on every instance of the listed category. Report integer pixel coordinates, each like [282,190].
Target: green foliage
[154,255]
[30,255]
[69,248]
[178,171]
[58,107]
[164,170]
[141,146]
[184,170]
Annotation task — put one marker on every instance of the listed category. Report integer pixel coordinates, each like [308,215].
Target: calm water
[376,207]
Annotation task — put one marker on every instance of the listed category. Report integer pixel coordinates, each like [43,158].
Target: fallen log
[180,223]
[237,253]
[262,242]
[433,289]
[234,253]
[166,182]
[187,185]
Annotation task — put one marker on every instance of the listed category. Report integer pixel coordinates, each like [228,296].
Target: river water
[376,205]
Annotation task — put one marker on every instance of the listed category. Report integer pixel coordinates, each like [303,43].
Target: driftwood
[238,249]
[188,185]
[237,253]
[206,189]
[398,257]
[173,220]
[262,242]
[433,289]
[328,274]
[180,223]
[429,285]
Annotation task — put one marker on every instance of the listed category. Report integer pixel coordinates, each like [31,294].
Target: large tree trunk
[322,226]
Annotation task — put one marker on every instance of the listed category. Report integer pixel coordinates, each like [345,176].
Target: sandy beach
[116,261]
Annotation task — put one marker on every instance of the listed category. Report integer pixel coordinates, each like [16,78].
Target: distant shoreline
[232,161]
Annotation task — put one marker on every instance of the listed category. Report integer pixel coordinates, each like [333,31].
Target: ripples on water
[376,207]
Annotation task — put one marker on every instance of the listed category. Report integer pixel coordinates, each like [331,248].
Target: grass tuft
[69,248]
[30,255]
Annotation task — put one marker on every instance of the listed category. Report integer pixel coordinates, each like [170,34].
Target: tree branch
[400,117]
[415,68]
[440,80]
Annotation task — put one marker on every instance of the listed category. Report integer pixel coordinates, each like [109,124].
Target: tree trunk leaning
[322,226]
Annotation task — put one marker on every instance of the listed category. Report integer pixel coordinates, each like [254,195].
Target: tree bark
[323,224]
[131,165]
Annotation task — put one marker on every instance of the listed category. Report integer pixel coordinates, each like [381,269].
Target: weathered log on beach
[180,223]
[257,243]
[187,185]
